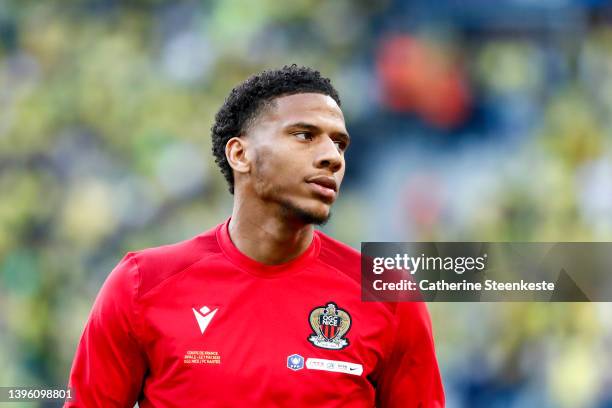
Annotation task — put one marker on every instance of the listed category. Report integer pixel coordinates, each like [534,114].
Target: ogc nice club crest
[329,324]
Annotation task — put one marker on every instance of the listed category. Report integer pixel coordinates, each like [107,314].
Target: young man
[262,310]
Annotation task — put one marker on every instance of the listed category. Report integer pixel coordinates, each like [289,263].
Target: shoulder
[157,264]
[337,253]
[341,258]
[348,261]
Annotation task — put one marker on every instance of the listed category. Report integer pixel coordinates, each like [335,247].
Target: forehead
[303,107]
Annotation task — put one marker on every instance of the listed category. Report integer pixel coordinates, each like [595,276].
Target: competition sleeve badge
[330,324]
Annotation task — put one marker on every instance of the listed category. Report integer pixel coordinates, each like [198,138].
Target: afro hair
[249,98]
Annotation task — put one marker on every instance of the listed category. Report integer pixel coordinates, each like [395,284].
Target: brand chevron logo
[204,316]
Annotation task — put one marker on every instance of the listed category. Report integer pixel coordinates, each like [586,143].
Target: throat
[269,242]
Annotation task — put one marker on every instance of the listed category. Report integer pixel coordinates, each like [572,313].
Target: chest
[279,339]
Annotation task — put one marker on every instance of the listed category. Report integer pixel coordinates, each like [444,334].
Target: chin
[318,216]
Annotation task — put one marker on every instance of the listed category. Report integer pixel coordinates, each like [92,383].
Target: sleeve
[410,376]
[109,365]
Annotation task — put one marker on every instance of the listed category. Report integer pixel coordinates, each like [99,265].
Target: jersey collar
[264,270]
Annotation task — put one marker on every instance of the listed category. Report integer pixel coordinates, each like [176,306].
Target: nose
[328,156]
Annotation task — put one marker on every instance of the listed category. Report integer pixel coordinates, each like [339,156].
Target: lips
[324,186]
[325,181]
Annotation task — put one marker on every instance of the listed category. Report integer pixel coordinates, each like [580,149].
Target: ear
[236,153]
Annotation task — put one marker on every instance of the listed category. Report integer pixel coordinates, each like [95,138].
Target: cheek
[279,162]
[340,173]
[274,172]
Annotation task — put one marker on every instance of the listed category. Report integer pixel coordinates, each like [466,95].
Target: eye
[303,135]
[341,145]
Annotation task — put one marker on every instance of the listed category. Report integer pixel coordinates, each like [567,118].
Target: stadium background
[471,120]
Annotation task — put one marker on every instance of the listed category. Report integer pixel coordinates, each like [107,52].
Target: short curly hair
[248,99]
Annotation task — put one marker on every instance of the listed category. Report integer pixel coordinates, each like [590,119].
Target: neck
[264,233]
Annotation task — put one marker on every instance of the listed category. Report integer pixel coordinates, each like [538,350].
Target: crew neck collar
[265,270]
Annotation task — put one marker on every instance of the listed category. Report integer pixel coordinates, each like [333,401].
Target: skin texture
[288,154]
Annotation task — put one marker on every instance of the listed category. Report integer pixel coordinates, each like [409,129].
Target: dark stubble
[293,212]
[289,210]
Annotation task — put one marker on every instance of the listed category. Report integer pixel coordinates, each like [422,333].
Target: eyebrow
[313,128]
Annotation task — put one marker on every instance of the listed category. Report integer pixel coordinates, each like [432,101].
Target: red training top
[200,324]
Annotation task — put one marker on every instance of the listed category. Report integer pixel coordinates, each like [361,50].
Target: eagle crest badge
[330,325]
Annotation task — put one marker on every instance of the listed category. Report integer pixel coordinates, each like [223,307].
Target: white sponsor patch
[334,366]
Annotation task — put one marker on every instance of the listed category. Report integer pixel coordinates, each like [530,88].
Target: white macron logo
[204,316]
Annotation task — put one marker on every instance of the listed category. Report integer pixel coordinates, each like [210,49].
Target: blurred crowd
[471,121]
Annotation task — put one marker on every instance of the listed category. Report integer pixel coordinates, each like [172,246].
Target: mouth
[324,186]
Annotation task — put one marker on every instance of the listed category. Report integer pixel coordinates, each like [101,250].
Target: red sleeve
[109,365]
[410,376]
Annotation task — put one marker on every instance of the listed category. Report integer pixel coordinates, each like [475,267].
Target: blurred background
[471,120]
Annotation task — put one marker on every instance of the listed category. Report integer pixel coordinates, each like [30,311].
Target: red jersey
[199,324]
